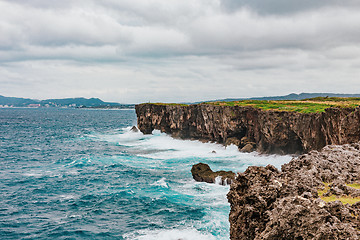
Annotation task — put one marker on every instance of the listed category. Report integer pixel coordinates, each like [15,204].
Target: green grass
[321,192]
[344,199]
[354,185]
[312,105]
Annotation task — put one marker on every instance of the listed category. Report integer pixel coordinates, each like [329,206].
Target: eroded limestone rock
[270,204]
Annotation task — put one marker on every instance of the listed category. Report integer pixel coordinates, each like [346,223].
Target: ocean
[82,174]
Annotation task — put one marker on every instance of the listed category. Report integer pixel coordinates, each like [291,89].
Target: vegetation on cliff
[326,193]
[311,105]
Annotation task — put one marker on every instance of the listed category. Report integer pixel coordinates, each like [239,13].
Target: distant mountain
[292,96]
[65,102]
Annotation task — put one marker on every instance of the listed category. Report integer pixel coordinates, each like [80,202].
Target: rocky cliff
[250,129]
[269,204]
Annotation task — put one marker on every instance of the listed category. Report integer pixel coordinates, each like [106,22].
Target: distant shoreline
[85,108]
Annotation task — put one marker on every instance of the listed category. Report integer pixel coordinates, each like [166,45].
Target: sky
[178,51]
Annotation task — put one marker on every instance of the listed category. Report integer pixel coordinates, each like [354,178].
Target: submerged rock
[270,204]
[134,129]
[201,172]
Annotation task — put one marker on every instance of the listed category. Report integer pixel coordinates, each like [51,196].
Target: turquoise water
[81,174]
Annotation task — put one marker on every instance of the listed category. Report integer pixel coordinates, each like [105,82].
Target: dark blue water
[81,174]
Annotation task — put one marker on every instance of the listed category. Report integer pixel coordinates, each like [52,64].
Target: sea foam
[170,160]
[173,234]
[162,146]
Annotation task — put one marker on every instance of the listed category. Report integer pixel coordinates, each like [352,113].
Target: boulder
[249,147]
[201,172]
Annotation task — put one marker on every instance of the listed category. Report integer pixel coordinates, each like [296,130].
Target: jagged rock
[201,172]
[301,218]
[269,204]
[134,129]
[272,131]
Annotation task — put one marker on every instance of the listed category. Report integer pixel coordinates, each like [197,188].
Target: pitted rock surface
[270,204]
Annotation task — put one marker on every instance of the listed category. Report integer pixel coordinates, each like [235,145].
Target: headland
[315,196]
[280,127]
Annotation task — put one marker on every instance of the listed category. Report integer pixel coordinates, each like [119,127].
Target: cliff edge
[265,131]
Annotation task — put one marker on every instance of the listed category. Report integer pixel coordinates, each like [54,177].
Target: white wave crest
[218,180]
[160,146]
[173,234]
[161,183]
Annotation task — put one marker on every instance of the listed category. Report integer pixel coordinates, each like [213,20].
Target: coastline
[271,131]
[314,191]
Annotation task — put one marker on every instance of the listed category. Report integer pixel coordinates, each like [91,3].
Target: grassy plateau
[311,105]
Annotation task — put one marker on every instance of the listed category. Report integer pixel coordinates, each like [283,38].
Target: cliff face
[266,131]
[268,204]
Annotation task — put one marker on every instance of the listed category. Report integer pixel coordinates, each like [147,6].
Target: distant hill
[17,102]
[65,102]
[292,96]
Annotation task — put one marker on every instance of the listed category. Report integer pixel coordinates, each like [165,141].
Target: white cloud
[285,7]
[133,51]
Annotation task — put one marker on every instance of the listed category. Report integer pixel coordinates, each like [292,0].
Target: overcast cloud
[175,50]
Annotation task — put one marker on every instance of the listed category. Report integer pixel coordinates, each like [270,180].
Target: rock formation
[201,172]
[270,204]
[251,129]
[134,129]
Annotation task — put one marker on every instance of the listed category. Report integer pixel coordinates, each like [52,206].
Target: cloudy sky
[176,50]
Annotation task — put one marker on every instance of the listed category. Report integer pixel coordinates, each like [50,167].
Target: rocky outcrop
[270,204]
[201,172]
[251,129]
[134,129]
